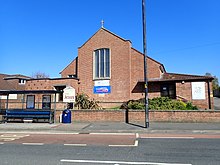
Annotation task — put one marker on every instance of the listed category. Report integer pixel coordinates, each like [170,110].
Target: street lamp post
[145,64]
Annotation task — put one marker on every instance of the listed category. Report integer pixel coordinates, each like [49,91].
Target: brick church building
[110,70]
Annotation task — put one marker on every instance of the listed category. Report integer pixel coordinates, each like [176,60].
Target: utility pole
[145,64]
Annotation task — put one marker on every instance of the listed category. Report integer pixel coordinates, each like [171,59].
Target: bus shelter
[29,104]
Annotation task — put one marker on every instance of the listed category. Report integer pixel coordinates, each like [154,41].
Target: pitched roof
[180,77]
[6,85]
[102,28]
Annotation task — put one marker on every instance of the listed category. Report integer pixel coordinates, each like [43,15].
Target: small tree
[40,75]
[215,83]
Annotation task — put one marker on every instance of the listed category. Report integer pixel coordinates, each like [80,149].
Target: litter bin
[66,116]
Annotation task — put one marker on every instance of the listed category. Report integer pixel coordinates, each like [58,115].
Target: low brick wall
[139,116]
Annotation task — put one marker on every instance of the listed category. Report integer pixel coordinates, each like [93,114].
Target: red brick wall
[48,84]
[139,116]
[120,66]
[126,67]
[184,90]
[137,73]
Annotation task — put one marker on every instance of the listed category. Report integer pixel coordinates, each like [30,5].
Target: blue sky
[44,35]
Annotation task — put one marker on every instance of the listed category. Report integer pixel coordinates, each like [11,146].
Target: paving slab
[112,127]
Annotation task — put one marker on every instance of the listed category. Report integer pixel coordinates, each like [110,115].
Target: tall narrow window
[102,63]
[30,102]
[46,102]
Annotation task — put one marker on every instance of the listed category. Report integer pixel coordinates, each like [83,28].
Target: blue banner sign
[102,89]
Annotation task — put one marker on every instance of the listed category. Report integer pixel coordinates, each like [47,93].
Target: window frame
[170,90]
[100,77]
[46,104]
[30,102]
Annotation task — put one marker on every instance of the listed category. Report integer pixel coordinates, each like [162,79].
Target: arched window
[101,63]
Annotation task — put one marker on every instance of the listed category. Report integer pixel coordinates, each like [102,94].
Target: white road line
[137,135]
[75,144]
[2,143]
[168,137]
[132,145]
[46,133]
[8,139]
[117,162]
[111,133]
[136,143]
[13,135]
[37,144]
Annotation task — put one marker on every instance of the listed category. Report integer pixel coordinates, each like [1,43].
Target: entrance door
[168,90]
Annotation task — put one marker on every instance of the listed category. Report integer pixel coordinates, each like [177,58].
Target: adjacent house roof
[7,82]
[5,85]
[16,76]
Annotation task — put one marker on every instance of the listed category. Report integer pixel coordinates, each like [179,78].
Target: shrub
[83,102]
[189,106]
[135,105]
[159,103]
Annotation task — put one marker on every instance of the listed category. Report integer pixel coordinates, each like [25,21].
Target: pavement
[115,127]
[216,103]
[112,127]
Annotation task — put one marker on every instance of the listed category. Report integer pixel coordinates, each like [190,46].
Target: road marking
[167,137]
[2,143]
[112,133]
[117,162]
[37,144]
[8,139]
[11,137]
[124,145]
[136,143]
[137,135]
[41,132]
[75,144]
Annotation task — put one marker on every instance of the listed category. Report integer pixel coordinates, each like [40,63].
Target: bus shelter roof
[7,92]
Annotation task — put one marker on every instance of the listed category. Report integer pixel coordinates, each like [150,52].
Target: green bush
[135,105]
[159,103]
[190,106]
[83,102]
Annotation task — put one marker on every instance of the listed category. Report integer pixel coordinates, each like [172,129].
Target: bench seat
[31,114]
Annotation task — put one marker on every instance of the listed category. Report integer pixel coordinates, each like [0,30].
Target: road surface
[113,149]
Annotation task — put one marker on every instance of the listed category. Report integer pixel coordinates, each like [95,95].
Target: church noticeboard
[69,95]
[198,90]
